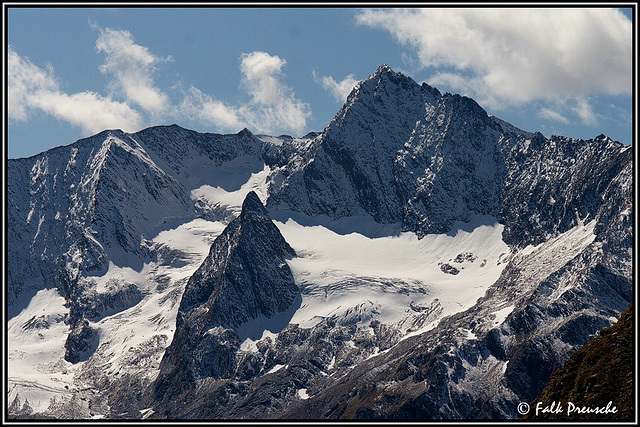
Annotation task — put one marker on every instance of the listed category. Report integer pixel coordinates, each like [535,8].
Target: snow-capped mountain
[417,259]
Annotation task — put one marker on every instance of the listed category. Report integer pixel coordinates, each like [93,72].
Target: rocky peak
[350,170]
[383,68]
[242,274]
[253,206]
[385,80]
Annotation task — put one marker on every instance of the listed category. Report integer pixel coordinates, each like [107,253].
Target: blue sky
[73,72]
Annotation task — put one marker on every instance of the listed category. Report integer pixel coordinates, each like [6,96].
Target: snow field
[38,372]
[338,273]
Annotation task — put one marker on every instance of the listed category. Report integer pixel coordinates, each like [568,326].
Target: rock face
[245,274]
[99,201]
[244,277]
[120,225]
[554,183]
[399,151]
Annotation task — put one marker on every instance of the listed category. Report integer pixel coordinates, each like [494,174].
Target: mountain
[400,151]
[402,165]
[417,259]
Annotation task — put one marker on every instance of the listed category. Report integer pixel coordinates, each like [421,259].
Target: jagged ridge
[397,151]
[404,152]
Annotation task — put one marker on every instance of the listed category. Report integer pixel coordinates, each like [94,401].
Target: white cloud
[90,111]
[273,105]
[261,73]
[132,66]
[549,114]
[30,87]
[511,56]
[201,107]
[570,110]
[584,110]
[24,78]
[340,90]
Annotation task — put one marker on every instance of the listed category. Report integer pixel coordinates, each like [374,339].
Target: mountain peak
[383,68]
[384,76]
[384,73]
[253,241]
[245,131]
[253,204]
[357,151]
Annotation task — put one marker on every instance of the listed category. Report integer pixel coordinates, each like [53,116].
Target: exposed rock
[81,342]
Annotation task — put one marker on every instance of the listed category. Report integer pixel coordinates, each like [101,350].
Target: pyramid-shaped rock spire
[245,276]
[245,273]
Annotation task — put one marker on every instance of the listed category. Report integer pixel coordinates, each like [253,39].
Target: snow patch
[501,315]
[36,351]
[554,254]
[251,345]
[274,140]
[146,413]
[469,334]
[191,240]
[232,200]
[276,368]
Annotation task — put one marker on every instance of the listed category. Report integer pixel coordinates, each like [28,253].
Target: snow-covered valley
[395,279]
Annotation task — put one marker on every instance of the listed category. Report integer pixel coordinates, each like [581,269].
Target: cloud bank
[133,99]
[505,57]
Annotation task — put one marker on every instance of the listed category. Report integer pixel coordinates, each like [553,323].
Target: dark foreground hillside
[600,372]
